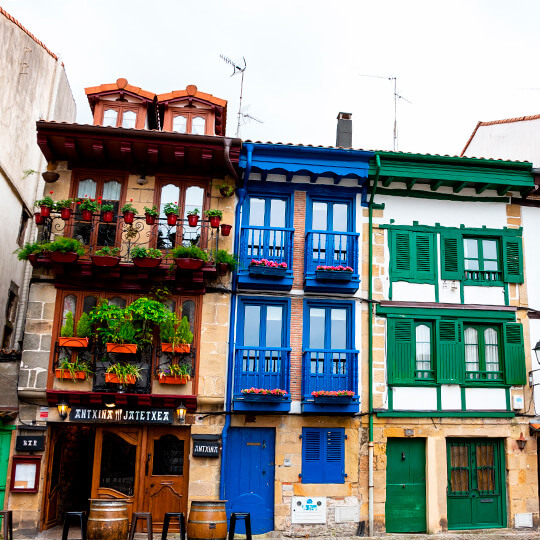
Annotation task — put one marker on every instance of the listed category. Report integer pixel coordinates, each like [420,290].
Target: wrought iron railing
[324,248]
[274,244]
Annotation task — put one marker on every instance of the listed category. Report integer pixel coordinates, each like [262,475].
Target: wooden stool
[181,522]
[134,518]
[67,519]
[246,516]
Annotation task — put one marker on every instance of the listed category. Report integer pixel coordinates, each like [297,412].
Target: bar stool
[134,518]
[68,518]
[181,522]
[246,516]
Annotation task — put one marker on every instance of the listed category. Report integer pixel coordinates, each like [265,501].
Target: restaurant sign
[121,415]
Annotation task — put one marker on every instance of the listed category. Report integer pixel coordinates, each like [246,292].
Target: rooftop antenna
[396,97]
[237,69]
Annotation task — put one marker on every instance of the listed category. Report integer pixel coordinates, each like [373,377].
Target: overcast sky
[456,61]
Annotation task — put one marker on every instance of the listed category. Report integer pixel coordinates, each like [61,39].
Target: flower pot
[225,192]
[64,257]
[263,397]
[172,219]
[74,342]
[105,261]
[45,211]
[32,259]
[192,220]
[66,374]
[183,348]
[173,379]
[146,262]
[333,275]
[150,220]
[86,215]
[113,379]
[107,216]
[126,348]
[128,217]
[225,229]
[332,399]
[222,268]
[50,176]
[214,221]
[65,213]
[189,264]
[39,218]
[267,271]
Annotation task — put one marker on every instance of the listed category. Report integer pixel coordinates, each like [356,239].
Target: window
[412,256]
[120,115]
[481,259]
[22,227]
[423,356]
[323,456]
[482,354]
[188,122]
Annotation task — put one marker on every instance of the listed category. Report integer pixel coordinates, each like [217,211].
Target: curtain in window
[109,117]
[423,350]
[492,349]
[472,362]
[111,190]
[198,125]
[128,119]
[87,188]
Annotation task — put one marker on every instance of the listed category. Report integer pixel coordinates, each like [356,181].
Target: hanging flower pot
[105,261]
[226,229]
[172,219]
[222,268]
[128,217]
[65,213]
[74,342]
[108,216]
[192,220]
[150,220]
[214,221]
[182,348]
[45,211]
[173,379]
[123,348]
[39,218]
[64,257]
[87,215]
[187,263]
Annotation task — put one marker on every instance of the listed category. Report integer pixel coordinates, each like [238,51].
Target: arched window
[423,351]
[198,124]
[70,304]
[129,119]
[472,360]
[180,124]
[110,117]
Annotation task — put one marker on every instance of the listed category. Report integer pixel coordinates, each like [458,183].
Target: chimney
[344,130]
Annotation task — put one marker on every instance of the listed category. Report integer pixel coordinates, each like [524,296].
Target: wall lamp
[536,350]
[109,402]
[181,413]
[63,409]
[521,442]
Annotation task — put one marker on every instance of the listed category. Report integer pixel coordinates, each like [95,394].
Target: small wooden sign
[34,443]
[204,448]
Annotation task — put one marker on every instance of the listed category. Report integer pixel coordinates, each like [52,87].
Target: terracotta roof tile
[40,43]
[120,84]
[191,90]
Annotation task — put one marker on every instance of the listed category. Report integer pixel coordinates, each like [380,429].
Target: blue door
[250,477]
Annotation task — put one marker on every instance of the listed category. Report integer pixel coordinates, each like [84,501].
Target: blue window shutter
[323,456]
[312,470]
[334,466]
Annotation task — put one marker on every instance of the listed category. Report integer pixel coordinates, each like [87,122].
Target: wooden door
[5,445]
[405,509]
[166,472]
[54,468]
[117,457]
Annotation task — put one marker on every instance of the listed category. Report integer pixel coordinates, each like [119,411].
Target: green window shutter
[514,354]
[400,351]
[450,352]
[451,256]
[512,259]
[401,254]
[424,255]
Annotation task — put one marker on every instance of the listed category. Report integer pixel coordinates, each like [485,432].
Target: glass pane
[198,125]
[170,305]
[111,191]
[179,124]
[89,303]
[70,304]
[338,333]
[87,188]
[340,217]
[188,310]
[117,464]
[471,248]
[320,213]
[274,326]
[167,235]
[459,469]
[118,301]
[128,119]
[489,248]
[492,350]
[256,212]
[316,328]
[423,347]
[471,350]
[109,117]
[485,468]
[194,199]
[106,235]
[491,265]
[168,456]
[252,323]
[277,213]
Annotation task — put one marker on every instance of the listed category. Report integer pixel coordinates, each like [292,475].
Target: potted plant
[334,273]
[189,257]
[171,211]
[225,229]
[263,394]
[64,207]
[87,207]
[146,257]
[114,326]
[176,336]
[193,217]
[145,315]
[106,257]
[67,339]
[214,216]
[65,250]
[46,205]
[174,374]
[107,212]
[122,373]
[267,268]
[225,262]
[76,370]
[38,217]
[129,211]
[151,214]
[29,252]
[226,190]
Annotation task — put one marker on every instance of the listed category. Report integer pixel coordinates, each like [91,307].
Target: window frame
[120,107]
[432,377]
[319,471]
[189,114]
[481,261]
[481,328]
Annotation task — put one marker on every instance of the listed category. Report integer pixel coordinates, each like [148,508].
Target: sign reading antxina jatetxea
[121,415]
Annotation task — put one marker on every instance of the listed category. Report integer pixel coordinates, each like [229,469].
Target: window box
[73,342]
[65,374]
[332,399]
[182,348]
[333,275]
[173,379]
[267,271]
[146,262]
[112,378]
[264,397]
[105,261]
[188,263]
[126,348]
[64,257]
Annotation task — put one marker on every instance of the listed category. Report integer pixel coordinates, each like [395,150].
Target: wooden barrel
[207,521]
[107,519]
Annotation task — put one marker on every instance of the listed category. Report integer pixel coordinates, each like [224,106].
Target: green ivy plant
[30,248]
[128,207]
[189,252]
[213,213]
[66,245]
[170,208]
[175,331]
[64,203]
[107,251]
[151,211]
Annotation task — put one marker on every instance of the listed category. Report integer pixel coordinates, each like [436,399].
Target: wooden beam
[264,175]
[459,187]
[153,153]
[411,183]
[70,148]
[97,149]
[179,154]
[503,190]
[313,178]
[483,188]
[289,176]
[337,179]
[388,181]
[527,191]
[125,149]
[436,185]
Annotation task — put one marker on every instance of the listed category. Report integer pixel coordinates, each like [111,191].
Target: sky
[455,62]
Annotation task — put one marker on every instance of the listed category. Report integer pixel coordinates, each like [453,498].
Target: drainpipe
[370,344]
[242,192]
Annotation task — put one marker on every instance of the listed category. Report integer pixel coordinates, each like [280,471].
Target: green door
[5,444]
[405,509]
[475,487]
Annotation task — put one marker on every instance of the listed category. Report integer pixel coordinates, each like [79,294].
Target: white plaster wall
[492,296]
[413,292]
[414,398]
[531,241]
[450,397]
[485,399]
[449,291]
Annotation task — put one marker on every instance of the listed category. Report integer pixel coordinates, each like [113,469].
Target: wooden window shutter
[312,470]
[401,254]
[400,351]
[425,256]
[323,456]
[512,259]
[334,466]
[514,354]
[450,352]
[451,256]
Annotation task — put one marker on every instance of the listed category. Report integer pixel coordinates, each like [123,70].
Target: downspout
[370,343]
[242,192]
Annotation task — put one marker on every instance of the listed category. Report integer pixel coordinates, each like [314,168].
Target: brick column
[299,224]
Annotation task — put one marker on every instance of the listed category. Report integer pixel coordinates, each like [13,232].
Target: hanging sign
[121,415]
[25,443]
[205,448]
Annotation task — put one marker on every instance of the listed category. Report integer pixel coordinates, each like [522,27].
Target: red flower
[51,192]
[78,202]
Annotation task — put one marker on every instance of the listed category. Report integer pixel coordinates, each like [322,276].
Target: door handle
[151,485]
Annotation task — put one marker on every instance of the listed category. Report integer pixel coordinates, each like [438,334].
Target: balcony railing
[269,243]
[484,376]
[96,233]
[325,248]
[329,369]
[483,275]
[261,367]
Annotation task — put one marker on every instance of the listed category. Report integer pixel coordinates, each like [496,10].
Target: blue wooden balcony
[330,370]
[270,243]
[333,249]
[263,368]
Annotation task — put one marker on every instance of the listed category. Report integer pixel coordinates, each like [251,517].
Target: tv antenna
[396,97]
